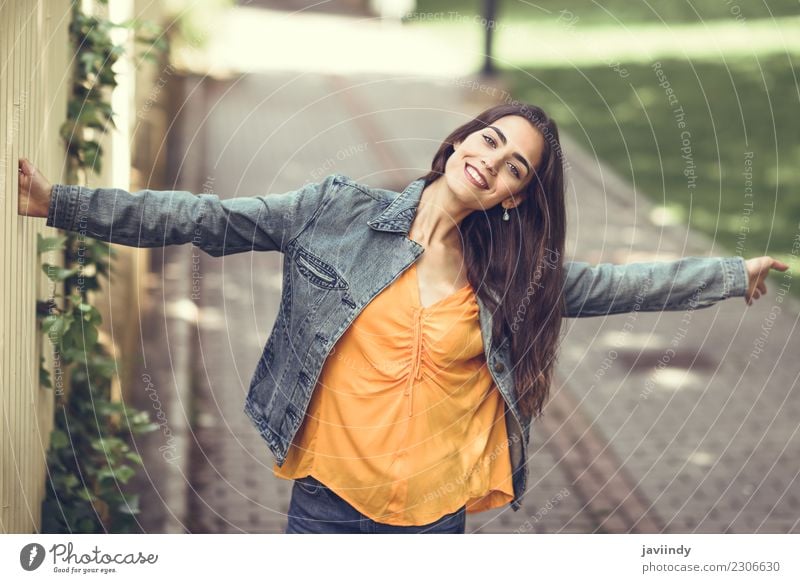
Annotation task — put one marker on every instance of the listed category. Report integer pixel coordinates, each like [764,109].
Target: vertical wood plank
[14,435]
[5,472]
[31,47]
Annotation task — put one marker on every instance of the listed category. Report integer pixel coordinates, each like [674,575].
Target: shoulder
[350,186]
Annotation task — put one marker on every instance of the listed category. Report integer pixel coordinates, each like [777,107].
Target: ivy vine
[90,461]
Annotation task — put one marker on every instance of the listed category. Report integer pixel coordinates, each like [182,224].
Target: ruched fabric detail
[405,422]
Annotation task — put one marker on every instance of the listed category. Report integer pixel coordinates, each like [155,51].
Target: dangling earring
[505,215]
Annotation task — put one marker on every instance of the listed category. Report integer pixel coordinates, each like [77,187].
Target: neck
[438,217]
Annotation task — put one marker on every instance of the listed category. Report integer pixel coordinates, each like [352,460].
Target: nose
[492,167]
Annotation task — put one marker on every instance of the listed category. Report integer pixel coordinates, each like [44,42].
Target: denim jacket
[343,243]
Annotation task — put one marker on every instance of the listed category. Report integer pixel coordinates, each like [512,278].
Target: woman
[428,319]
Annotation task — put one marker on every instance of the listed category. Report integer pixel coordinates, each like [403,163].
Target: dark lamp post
[489,15]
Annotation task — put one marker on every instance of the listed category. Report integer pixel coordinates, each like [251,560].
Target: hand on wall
[33,191]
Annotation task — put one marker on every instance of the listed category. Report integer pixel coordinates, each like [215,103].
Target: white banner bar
[225,557]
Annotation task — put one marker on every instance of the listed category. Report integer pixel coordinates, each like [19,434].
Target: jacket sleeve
[156,218]
[689,282]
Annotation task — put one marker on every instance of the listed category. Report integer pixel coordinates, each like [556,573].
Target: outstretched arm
[152,218]
[689,282]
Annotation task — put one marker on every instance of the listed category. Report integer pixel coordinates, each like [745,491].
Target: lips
[475,176]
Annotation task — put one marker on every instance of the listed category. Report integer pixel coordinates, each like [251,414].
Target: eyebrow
[516,155]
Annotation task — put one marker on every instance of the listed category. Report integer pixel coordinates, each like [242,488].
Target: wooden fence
[33,96]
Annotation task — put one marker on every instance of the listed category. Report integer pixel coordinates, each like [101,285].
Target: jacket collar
[398,216]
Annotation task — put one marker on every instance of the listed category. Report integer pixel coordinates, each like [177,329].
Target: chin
[464,191]
[459,185]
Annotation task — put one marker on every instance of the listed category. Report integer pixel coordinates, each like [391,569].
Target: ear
[511,202]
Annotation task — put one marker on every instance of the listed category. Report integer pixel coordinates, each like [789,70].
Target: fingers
[779,265]
[759,268]
[759,289]
[26,171]
[26,168]
[24,180]
[758,285]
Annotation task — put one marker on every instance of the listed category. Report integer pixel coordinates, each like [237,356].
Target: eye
[490,139]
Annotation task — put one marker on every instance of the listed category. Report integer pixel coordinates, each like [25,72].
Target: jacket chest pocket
[314,269]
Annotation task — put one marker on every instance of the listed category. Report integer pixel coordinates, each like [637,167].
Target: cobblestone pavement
[711,447]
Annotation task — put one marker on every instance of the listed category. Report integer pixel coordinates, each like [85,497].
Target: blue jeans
[315,508]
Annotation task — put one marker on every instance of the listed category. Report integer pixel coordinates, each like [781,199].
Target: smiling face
[494,163]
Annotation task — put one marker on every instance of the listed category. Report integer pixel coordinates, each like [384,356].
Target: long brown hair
[516,266]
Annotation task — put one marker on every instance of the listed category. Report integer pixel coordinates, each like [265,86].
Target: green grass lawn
[626,12]
[737,84]
[733,109]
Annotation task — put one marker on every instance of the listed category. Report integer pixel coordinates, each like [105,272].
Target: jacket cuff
[735,273]
[63,205]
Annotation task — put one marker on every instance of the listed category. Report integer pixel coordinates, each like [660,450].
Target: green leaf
[121,474]
[71,481]
[79,338]
[131,22]
[86,495]
[68,131]
[66,482]
[144,428]
[139,418]
[125,473]
[90,117]
[44,377]
[58,439]
[92,153]
[107,407]
[55,326]
[106,473]
[56,273]
[109,78]
[88,62]
[105,367]
[106,444]
[134,457]
[74,354]
[90,313]
[130,505]
[90,336]
[51,320]
[45,244]
[149,57]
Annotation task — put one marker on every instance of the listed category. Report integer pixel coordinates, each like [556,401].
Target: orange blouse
[406,423]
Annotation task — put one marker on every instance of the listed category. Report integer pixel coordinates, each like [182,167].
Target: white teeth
[476,176]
